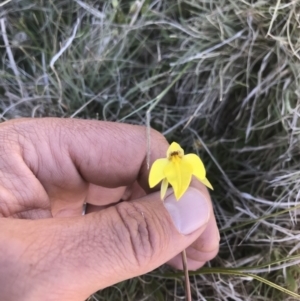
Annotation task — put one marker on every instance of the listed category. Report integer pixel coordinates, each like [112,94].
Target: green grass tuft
[222,78]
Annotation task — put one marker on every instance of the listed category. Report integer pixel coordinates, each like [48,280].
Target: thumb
[77,256]
[133,238]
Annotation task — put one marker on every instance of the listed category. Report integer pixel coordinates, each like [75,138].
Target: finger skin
[107,154]
[98,195]
[70,258]
[47,165]
[203,249]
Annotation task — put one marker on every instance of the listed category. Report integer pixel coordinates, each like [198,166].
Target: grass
[221,77]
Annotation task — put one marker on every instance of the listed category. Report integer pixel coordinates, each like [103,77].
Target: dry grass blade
[167,64]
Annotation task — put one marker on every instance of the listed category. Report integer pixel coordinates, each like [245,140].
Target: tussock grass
[221,77]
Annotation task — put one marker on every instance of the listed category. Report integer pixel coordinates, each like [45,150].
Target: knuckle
[135,231]
[159,139]
[202,255]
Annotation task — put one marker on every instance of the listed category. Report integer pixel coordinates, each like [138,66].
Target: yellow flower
[177,169]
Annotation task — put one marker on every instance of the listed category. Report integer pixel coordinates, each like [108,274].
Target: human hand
[48,169]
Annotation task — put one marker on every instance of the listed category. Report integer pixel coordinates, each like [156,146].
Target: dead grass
[221,77]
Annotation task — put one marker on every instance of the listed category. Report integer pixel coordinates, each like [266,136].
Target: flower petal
[197,165]
[163,188]
[157,171]
[206,183]
[175,147]
[179,175]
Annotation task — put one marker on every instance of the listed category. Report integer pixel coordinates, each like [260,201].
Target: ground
[219,77]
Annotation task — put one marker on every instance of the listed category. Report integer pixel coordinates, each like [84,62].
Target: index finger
[107,154]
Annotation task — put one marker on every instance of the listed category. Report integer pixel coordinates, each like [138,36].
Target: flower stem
[186,276]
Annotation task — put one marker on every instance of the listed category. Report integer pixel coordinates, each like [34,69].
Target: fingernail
[190,213]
